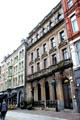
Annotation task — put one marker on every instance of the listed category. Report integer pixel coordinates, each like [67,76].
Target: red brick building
[72,19]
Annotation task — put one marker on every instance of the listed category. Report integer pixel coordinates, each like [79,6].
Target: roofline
[45,19]
[24,43]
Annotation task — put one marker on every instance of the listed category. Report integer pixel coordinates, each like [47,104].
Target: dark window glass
[38,52]
[45,63]
[44,48]
[54,60]
[65,54]
[62,36]
[38,66]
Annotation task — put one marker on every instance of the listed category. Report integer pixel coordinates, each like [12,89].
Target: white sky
[18,18]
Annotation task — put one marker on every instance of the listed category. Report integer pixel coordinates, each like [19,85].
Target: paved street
[41,115]
[23,116]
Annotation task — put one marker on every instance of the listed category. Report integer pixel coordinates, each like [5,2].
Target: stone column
[60,99]
[73,91]
[35,92]
[52,93]
[43,96]
[28,92]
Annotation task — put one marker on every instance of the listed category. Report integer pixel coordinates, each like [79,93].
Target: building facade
[13,75]
[49,66]
[72,20]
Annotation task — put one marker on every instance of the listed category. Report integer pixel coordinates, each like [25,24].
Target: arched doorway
[47,91]
[20,98]
[39,92]
[67,93]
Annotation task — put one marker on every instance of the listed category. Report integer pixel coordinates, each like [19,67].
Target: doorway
[67,94]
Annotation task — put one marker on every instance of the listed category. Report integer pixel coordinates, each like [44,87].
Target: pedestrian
[3,109]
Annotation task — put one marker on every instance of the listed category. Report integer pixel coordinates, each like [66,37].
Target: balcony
[52,50]
[63,43]
[32,62]
[37,59]
[44,55]
[52,69]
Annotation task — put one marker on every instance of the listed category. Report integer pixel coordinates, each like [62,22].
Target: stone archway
[20,97]
[67,93]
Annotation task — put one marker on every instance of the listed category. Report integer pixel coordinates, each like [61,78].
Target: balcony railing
[49,71]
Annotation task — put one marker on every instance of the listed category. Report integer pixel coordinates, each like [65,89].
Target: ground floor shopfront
[14,96]
[77,79]
[53,87]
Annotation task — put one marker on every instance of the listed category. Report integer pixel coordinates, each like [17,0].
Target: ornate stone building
[72,20]
[13,75]
[49,64]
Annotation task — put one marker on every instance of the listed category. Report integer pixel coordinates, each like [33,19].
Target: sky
[18,18]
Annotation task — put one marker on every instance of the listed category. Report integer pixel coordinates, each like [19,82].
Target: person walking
[3,109]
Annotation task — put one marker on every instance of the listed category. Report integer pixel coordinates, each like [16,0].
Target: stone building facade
[13,75]
[49,65]
[72,20]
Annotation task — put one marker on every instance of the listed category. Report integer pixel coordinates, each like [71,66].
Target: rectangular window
[54,60]
[15,69]
[62,36]
[65,54]
[31,56]
[32,69]
[70,3]
[74,24]
[21,66]
[20,79]
[38,53]
[15,59]
[45,63]
[44,48]
[38,66]
[15,82]
[78,51]
[9,84]
[52,43]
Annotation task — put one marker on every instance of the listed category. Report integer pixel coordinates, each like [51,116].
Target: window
[15,82]
[65,54]
[9,71]
[20,79]
[45,63]
[15,69]
[9,84]
[52,43]
[32,69]
[78,51]
[15,59]
[31,56]
[74,23]
[62,36]
[70,3]
[38,66]
[21,66]
[59,17]
[54,60]
[45,48]
[38,53]
[21,54]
